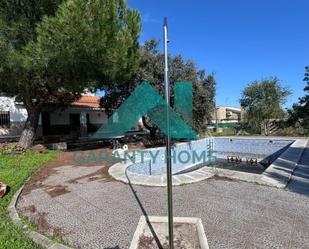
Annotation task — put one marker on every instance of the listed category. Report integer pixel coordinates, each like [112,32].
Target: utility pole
[216,116]
[168,143]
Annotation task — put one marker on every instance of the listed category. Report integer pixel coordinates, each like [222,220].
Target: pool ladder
[210,149]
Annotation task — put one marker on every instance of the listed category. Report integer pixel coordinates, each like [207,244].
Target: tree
[262,101]
[300,111]
[52,50]
[151,69]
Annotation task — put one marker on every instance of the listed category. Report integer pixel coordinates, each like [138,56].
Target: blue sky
[238,40]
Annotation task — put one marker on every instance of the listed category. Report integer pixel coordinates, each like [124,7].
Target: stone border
[38,238]
[277,174]
[164,219]
[120,172]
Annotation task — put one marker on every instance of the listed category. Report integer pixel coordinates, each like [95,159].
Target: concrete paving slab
[97,214]
[299,182]
[280,171]
[233,213]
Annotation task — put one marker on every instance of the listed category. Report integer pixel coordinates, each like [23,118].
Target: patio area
[85,207]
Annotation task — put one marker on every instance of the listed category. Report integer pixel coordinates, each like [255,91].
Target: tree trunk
[28,134]
[152,130]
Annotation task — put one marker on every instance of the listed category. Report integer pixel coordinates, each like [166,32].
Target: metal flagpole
[168,143]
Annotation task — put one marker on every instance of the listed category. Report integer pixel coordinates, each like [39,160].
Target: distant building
[226,117]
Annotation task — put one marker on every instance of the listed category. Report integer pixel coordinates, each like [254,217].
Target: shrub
[12,149]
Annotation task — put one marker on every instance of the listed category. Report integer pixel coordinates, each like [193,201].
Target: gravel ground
[89,210]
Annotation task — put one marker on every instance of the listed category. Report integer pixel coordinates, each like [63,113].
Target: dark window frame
[5,119]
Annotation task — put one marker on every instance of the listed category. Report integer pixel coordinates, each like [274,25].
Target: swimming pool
[184,156]
[212,152]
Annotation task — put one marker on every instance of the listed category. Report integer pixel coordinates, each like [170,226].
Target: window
[4,119]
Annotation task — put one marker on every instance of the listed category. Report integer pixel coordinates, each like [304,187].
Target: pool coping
[277,174]
[120,172]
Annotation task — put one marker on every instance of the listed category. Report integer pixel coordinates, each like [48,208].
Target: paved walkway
[300,180]
[88,209]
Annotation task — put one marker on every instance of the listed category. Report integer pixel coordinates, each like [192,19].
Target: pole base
[152,232]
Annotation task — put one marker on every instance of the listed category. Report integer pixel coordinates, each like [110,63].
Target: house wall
[60,121]
[225,114]
[221,113]
[232,115]
[62,117]
[18,116]
[59,117]
[97,117]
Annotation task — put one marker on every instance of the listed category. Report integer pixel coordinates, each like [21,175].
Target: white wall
[17,112]
[97,117]
[58,117]
[18,116]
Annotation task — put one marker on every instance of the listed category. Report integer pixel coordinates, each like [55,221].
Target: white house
[78,119]
[13,116]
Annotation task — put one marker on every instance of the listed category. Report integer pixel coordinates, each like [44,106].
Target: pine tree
[52,50]
[151,69]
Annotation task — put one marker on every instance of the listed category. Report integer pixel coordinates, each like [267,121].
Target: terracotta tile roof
[87,101]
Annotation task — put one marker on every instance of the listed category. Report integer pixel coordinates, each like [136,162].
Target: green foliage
[262,101]
[234,132]
[225,132]
[53,50]
[299,114]
[151,69]
[14,171]
[19,19]
[293,132]
[67,48]
[204,91]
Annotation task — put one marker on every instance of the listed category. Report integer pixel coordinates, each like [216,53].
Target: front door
[75,124]
[45,123]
